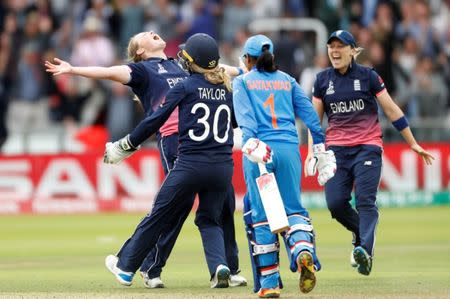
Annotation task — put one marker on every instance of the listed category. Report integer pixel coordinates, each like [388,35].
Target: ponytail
[214,76]
[358,51]
[265,62]
[132,49]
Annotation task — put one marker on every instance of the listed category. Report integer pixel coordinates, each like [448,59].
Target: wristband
[400,123]
[240,70]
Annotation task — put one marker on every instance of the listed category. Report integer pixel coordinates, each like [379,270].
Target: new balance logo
[368,163]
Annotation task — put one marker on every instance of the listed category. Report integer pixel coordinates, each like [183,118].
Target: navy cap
[344,36]
[254,45]
[202,50]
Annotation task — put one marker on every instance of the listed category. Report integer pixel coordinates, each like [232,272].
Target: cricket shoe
[305,264]
[152,283]
[353,263]
[363,259]
[237,280]
[221,277]
[269,293]
[125,278]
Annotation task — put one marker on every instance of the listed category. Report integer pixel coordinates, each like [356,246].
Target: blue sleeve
[376,83]
[243,109]
[149,125]
[305,110]
[139,76]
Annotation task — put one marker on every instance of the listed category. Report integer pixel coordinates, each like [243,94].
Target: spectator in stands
[237,14]
[92,41]
[430,89]
[30,111]
[308,75]
[163,14]
[197,16]
[9,40]
[131,21]
[420,28]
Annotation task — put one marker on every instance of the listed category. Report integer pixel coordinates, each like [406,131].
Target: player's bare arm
[118,73]
[394,113]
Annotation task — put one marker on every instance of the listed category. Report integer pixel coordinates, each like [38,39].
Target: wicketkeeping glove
[323,161]
[257,151]
[116,152]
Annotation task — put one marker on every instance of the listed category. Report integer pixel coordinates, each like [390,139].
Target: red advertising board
[70,183]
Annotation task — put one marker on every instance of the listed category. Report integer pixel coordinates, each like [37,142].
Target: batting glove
[257,151]
[116,152]
[323,161]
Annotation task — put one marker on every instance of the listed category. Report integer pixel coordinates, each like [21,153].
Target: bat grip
[262,169]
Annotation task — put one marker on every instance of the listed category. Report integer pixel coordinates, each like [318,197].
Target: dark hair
[265,62]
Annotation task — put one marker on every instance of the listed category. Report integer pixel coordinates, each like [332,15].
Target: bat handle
[262,169]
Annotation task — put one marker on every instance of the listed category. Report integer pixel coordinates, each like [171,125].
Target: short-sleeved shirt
[151,79]
[206,120]
[266,104]
[350,104]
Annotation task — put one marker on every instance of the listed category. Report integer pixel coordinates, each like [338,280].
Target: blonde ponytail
[132,49]
[214,76]
[358,51]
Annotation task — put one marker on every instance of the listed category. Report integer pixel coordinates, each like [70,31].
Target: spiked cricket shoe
[269,293]
[237,280]
[221,277]
[363,259]
[353,263]
[305,264]
[152,283]
[125,278]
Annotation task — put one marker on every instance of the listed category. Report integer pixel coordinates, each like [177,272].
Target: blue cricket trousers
[211,182]
[157,257]
[358,167]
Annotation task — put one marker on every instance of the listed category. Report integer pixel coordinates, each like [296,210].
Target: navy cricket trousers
[358,167]
[211,182]
[157,257]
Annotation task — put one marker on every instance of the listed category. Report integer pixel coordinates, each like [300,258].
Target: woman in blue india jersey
[266,102]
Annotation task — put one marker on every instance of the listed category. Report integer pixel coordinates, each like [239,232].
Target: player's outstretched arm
[119,73]
[234,71]
[396,116]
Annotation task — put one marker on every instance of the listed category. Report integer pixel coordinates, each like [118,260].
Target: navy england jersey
[206,120]
[350,104]
[151,79]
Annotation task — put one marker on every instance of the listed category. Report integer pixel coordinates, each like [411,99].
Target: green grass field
[63,257]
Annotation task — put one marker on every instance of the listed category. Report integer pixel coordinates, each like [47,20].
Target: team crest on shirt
[161,69]
[356,85]
[330,89]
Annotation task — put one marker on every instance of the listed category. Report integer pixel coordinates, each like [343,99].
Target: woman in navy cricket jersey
[151,75]
[204,165]
[349,94]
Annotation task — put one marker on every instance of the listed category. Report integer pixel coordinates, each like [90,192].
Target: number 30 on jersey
[204,121]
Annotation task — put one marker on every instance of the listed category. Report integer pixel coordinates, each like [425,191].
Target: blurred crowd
[407,42]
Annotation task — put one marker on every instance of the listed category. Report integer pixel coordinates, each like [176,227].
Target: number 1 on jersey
[271,103]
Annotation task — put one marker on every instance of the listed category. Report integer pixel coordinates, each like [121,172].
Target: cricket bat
[271,200]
